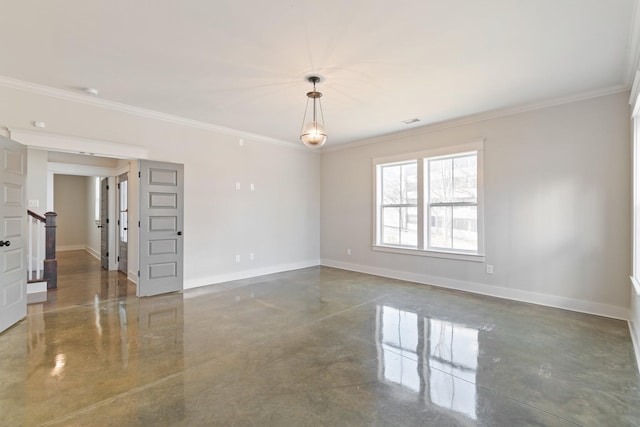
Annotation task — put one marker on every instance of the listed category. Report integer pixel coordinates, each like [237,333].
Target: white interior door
[123,223]
[13,232]
[161,220]
[104,223]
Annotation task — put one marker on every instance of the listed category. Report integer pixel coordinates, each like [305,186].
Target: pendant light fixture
[313,134]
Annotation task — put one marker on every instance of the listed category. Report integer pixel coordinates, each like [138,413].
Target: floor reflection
[314,347]
[434,359]
[100,343]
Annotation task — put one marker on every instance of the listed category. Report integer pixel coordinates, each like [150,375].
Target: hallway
[311,347]
[81,281]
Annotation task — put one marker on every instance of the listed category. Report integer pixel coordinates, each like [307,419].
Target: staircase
[42,265]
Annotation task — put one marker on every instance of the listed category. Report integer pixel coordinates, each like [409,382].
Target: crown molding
[480,117]
[66,95]
[169,118]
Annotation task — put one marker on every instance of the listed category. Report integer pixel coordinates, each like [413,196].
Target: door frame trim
[73,144]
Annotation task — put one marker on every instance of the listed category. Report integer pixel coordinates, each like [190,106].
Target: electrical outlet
[251,257]
[489,269]
[237,185]
[349,252]
[252,187]
[237,258]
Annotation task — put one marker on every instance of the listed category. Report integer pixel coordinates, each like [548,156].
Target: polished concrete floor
[313,347]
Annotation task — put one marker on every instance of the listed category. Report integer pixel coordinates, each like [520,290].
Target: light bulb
[313,135]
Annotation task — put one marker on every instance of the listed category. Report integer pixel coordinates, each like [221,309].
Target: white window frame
[382,206]
[476,147]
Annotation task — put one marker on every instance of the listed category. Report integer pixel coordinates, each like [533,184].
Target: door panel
[104,223]
[123,223]
[161,221]
[13,231]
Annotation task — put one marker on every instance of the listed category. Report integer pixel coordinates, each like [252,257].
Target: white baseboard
[247,274]
[555,301]
[92,252]
[36,287]
[70,248]
[133,276]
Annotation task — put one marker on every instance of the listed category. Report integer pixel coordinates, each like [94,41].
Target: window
[124,209]
[453,202]
[430,202]
[400,204]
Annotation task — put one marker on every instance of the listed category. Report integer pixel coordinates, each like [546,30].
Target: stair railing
[41,258]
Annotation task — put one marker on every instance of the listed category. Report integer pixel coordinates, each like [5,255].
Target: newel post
[50,262]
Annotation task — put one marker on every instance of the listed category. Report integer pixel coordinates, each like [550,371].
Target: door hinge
[107,255]
[138,273]
[107,187]
[118,222]
[118,258]
[118,186]
[138,224]
[139,174]
[107,220]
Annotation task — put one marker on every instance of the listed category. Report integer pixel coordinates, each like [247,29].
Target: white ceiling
[242,64]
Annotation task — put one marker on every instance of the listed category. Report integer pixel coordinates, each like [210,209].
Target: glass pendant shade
[313,135]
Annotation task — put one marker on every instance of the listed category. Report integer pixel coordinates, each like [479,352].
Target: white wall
[70,203]
[557,207]
[278,222]
[92,244]
[37,179]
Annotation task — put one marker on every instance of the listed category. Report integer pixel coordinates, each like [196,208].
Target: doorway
[153,206]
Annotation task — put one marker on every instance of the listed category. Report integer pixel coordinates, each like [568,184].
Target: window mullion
[445,204]
[380,197]
[453,192]
[427,204]
[451,216]
[420,203]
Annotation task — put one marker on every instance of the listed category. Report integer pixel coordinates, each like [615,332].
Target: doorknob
[179,233]
[99,226]
[5,243]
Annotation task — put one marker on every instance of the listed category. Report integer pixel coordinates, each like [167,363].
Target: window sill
[433,254]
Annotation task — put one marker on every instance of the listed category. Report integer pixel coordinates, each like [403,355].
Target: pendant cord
[304,116]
